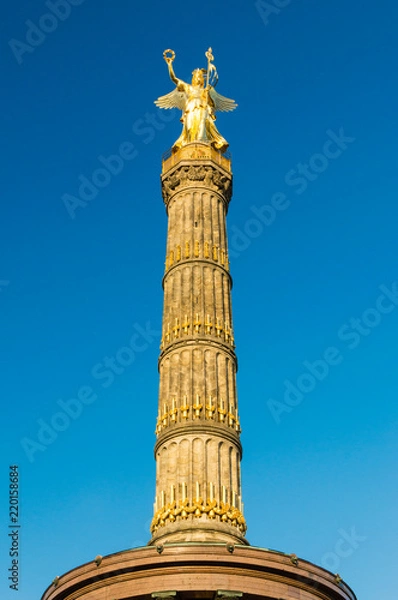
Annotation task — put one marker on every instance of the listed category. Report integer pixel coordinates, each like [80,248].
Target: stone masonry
[198,452]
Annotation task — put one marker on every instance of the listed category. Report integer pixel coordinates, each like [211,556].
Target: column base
[199,530]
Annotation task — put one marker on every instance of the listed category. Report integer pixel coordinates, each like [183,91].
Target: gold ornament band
[183,509]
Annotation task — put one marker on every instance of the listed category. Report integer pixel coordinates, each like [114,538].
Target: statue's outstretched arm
[171,72]
[169,56]
[177,97]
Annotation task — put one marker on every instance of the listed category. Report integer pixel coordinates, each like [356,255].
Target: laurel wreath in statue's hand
[169,56]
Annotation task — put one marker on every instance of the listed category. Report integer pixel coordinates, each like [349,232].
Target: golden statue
[198,101]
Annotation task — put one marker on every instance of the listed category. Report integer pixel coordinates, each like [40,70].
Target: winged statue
[198,102]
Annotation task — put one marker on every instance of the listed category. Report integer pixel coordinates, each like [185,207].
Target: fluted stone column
[198,452]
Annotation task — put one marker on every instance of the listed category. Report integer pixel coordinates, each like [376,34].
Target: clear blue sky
[321,279]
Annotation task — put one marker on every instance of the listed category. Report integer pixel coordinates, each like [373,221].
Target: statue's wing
[174,99]
[222,103]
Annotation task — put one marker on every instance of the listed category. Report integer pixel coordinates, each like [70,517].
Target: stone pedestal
[195,571]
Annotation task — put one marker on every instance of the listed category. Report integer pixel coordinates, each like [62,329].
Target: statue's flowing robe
[198,119]
[198,105]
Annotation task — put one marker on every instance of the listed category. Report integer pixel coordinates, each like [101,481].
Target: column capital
[197,165]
